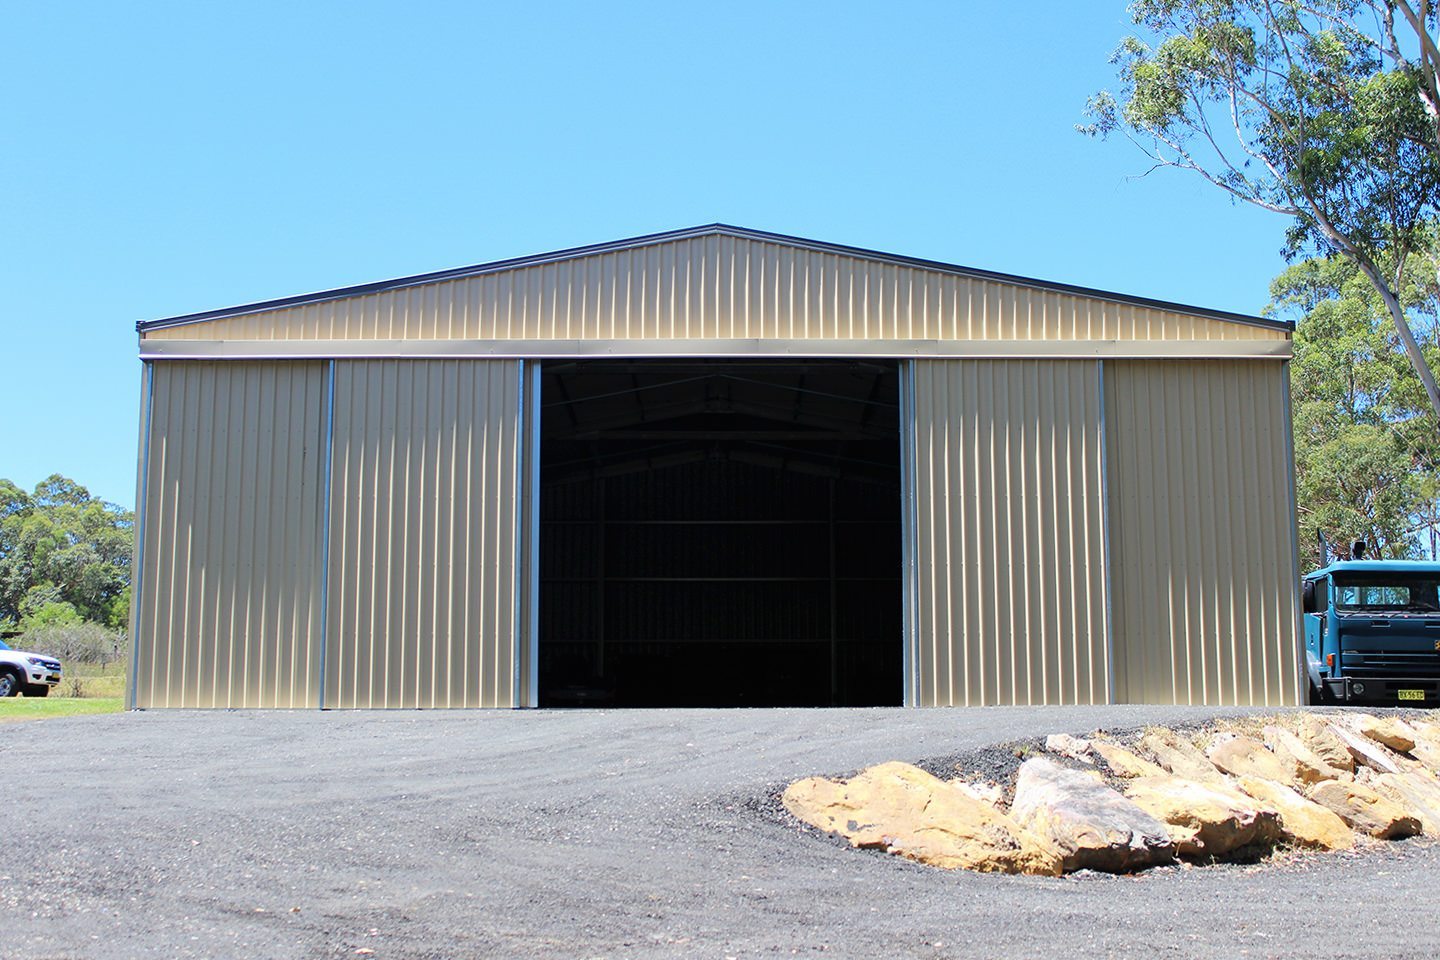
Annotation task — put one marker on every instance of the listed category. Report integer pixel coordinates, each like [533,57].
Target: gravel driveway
[590,834]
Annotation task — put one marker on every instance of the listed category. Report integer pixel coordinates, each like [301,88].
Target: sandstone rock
[988,793]
[1315,734]
[1427,745]
[1243,757]
[1365,809]
[1302,821]
[1417,792]
[1305,765]
[1206,819]
[1122,762]
[1391,731]
[1076,748]
[1366,751]
[1428,729]
[904,810]
[1179,756]
[1093,826]
[1427,754]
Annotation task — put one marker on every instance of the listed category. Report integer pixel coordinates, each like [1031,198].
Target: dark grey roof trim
[722,229]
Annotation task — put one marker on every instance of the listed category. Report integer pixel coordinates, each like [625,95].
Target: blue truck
[1372,631]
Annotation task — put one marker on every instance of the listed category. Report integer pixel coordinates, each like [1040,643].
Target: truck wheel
[37,690]
[9,683]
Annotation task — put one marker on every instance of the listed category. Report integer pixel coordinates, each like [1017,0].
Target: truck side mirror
[1307,594]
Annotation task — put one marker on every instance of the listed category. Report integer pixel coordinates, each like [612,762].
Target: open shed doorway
[720,533]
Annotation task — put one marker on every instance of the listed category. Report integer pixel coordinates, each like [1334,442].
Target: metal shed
[714,466]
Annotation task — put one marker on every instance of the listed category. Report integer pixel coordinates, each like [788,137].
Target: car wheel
[37,690]
[9,684]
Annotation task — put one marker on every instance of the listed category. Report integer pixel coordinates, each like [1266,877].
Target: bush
[51,613]
[77,643]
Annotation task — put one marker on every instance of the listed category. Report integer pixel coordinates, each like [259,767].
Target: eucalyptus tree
[64,555]
[1366,456]
[1324,111]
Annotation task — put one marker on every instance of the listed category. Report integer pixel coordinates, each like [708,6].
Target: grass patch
[41,708]
[93,680]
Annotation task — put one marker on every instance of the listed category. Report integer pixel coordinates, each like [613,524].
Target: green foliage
[1367,462]
[62,552]
[1326,111]
[117,610]
[1295,105]
[50,613]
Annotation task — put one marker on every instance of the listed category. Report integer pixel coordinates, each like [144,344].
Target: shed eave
[638,348]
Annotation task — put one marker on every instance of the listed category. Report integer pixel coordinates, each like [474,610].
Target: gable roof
[708,230]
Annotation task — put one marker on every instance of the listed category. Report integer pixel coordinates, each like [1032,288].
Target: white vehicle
[27,673]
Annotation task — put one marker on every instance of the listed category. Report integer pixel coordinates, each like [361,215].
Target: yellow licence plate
[1410,694]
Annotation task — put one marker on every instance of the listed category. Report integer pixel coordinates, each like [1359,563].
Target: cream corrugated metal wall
[1016,465]
[1202,525]
[424,508]
[718,287]
[229,596]
[1010,582]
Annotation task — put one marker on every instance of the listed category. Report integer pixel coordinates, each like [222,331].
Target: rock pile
[1303,780]
[902,809]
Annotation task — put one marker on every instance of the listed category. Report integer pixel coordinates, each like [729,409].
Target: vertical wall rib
[1010,605]
[527,641]
[424,509]
[137,564]
[229,588]
[1203,571]
[909,543]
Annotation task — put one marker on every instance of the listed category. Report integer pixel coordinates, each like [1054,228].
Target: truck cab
[1372,632]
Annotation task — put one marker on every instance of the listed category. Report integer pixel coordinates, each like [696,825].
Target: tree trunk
[1434,518]
[1412,349]
[1407,338]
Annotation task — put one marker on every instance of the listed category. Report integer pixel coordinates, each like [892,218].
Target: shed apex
[713,229]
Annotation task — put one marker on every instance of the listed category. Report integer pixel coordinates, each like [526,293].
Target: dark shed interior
[720,533]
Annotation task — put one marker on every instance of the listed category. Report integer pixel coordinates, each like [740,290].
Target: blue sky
[162,158]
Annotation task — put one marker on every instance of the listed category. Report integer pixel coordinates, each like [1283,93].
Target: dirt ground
[592,834]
